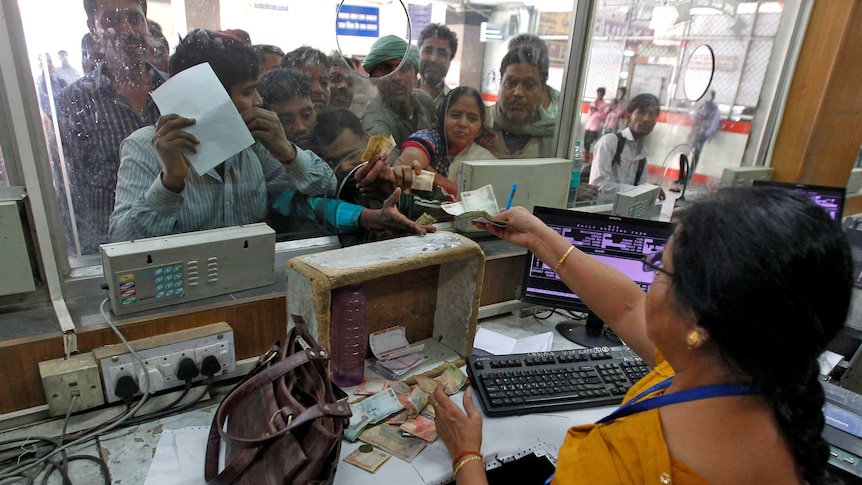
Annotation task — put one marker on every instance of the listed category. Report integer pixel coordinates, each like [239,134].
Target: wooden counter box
[430,285]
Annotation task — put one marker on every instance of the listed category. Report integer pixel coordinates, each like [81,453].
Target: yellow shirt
[628,450]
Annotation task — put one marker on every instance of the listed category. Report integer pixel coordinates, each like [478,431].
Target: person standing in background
[99,110]
[66,72]
[437,48]
[705,121]
[615,120]
[595,120]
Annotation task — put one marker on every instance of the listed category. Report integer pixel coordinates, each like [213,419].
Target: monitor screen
[831,199]
[618,241]
[541,181]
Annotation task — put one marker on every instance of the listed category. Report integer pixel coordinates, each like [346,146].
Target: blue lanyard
[636,405]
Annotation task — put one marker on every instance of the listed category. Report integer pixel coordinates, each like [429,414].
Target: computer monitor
[831,199]
[620,242]
[541,181]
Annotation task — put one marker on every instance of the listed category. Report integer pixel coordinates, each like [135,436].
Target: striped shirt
[94,119]
[144,207]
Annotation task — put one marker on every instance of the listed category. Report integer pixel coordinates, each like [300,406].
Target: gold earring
[692,339]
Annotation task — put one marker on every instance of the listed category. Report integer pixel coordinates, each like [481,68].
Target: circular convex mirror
[698,72]
[374,36]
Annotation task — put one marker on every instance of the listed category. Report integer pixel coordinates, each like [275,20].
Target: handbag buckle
[272,354]
[289,417]
[301,341]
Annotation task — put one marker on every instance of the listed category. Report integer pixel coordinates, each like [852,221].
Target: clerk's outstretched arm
[612,295]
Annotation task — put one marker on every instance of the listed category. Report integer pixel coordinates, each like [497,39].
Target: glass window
[4,179]
[643,48]
[651,49]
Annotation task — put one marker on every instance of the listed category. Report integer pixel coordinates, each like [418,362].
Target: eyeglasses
[653,262]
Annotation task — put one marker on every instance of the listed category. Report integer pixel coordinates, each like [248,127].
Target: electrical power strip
[161,271]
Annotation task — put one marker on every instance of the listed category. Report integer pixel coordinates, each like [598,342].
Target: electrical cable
[19,469]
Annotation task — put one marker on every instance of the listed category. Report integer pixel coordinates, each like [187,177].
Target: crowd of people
[398,90]
[126,182]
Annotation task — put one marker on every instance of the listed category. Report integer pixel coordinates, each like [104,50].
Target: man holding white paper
[227,159]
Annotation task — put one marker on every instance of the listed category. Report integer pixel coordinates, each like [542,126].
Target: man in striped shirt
[159,192]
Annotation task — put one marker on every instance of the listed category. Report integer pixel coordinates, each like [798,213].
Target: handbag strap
[246,389]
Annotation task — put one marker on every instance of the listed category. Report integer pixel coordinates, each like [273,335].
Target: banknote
[369,460]
[399,387]
[424,181]
[422,427]
[371,385]
[425,219]
[481,199]
[358,422]
[452,379]
[398,418]
[426,383]
[378,144]
[379,406]
[416,401]
[389,439]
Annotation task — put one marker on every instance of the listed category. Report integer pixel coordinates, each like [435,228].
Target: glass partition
[645,47]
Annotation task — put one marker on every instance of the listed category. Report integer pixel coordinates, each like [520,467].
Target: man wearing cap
[398,109]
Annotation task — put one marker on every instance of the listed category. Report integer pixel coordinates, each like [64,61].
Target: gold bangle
[563,259]
[464,461]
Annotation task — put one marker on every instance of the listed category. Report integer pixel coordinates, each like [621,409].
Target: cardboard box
[430,285]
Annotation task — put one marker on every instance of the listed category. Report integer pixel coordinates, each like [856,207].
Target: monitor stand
[591,334]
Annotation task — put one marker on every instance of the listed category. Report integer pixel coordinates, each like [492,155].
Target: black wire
[156,415]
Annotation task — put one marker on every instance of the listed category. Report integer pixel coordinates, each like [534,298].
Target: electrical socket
[76,376]
[161,356]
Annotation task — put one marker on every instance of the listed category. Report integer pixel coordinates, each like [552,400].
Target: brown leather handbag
[284,425]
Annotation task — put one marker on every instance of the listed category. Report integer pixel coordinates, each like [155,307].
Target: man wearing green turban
[398,109]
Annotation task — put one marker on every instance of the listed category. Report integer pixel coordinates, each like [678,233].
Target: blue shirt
[144,207]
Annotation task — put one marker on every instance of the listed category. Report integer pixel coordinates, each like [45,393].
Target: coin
[366,449]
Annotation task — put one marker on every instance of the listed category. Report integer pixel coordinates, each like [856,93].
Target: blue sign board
[358,21]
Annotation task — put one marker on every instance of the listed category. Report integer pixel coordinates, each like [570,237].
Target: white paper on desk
[828,360]
[498,344]
[197,93]
[179,457]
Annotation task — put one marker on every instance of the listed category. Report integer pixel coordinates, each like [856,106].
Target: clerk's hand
[460,431]
[172,142]
[266,128]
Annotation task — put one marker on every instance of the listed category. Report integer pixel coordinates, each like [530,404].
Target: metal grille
[606,61]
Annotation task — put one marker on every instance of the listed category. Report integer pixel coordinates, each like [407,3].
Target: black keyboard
[554,381]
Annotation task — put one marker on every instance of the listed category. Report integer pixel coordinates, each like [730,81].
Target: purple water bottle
[347,335]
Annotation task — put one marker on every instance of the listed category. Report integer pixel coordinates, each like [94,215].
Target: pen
[511,196]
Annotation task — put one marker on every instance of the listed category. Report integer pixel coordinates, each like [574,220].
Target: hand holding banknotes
[522,227]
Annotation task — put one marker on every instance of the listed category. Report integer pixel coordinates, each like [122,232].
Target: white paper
[828,360]
[498,344]
[391,343]
[197,93]
[179,457]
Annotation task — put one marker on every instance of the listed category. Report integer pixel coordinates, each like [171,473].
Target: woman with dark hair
[748,291]
[460,119]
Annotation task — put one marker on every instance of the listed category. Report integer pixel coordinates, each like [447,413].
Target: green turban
[387,48]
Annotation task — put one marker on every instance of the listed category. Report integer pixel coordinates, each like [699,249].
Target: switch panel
[78,377]
[161,271]
[162,355]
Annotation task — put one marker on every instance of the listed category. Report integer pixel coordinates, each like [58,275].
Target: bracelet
[563,259]
[464,462]
[462,455]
